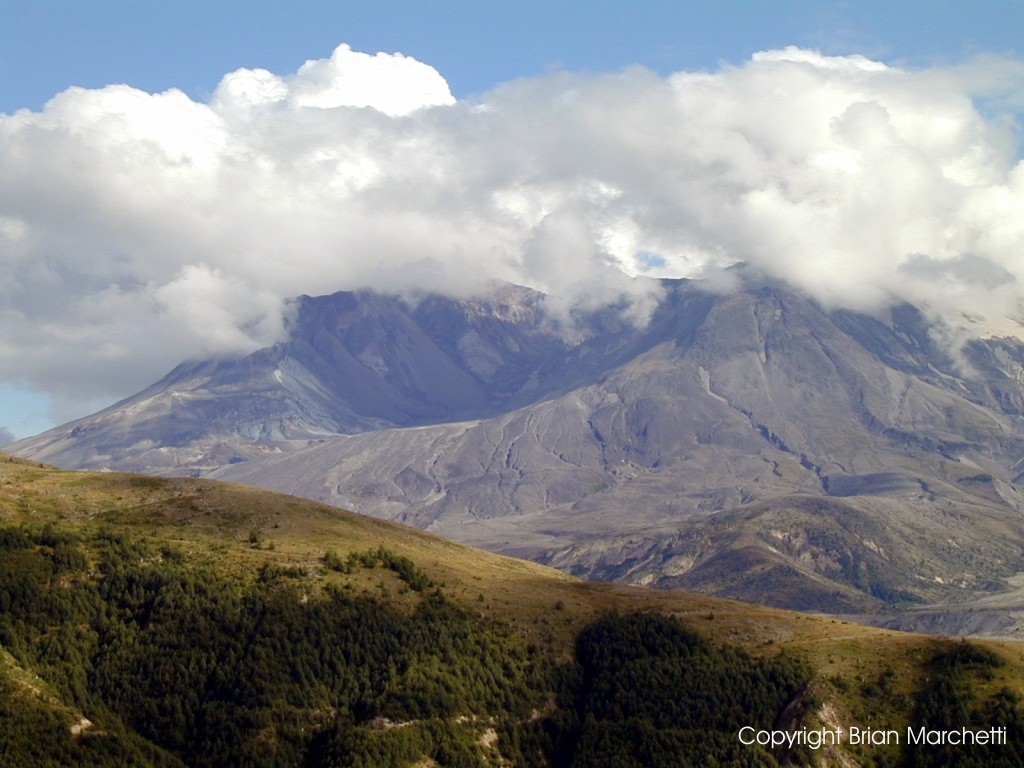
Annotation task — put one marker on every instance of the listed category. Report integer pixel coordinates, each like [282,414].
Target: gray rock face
[750,445]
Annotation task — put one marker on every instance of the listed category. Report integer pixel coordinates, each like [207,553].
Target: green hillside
[149,622]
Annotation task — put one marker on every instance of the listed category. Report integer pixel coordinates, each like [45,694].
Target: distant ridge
[749,445]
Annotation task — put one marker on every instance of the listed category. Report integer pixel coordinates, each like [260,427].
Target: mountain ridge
[721,420]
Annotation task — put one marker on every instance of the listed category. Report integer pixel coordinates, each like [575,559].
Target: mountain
[750,445]
[184,622]
[353,363]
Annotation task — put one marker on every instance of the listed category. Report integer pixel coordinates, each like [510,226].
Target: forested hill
[189,623]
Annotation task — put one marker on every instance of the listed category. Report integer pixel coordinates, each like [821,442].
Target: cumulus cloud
[390,83]
[140,229]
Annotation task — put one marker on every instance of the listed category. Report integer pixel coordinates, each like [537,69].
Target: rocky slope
[751,445]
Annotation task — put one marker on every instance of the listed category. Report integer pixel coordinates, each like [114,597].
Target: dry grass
[238,529]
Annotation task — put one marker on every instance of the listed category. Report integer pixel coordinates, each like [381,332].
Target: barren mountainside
[750,445]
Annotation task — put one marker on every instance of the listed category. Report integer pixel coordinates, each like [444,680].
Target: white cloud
[138,229]
[390,83]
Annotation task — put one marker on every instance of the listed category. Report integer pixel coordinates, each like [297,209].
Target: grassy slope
[864,676]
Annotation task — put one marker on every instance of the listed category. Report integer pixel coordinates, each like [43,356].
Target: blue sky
[49,45]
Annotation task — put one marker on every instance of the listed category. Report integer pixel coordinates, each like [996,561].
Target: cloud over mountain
[138,229]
